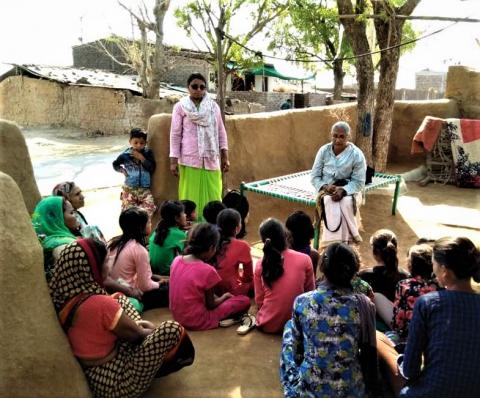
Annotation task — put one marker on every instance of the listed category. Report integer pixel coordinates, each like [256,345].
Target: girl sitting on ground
[234,200]
[190,208]
[168,240]
[280,276]
[56,226]
[399,313]
[129,263]
[442,351]
[211,210]
[232,253]
[192,283]
[383,278]
[72,192]
[331,332]
[301,233]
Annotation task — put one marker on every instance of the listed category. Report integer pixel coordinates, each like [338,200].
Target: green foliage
[309,31]
[408,34]
[200,18]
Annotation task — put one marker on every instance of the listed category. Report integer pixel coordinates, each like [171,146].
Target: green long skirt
[199,185]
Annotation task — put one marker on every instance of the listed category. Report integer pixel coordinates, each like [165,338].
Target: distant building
[429,80]
[180,62]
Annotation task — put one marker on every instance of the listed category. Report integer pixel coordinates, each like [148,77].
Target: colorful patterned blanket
[464,135]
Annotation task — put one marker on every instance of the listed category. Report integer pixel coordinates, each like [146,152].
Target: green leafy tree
[207,21]
[310,30]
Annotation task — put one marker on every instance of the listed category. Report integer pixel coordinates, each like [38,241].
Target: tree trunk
[338,75]
[389,33]
[158,61]
[356,34]
[385,98]
[143,70]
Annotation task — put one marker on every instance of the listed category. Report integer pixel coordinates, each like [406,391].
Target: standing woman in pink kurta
[198,145]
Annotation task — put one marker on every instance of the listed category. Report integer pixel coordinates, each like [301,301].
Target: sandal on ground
[248,323]
[225,323]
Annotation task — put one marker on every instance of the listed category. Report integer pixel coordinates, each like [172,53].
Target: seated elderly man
[338,174]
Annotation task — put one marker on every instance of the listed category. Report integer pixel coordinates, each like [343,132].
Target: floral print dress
[406,294]
[320,349]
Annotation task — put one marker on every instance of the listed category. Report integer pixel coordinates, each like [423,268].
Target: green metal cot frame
[309,198]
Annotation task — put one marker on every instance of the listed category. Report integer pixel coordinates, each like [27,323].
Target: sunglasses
[198,86]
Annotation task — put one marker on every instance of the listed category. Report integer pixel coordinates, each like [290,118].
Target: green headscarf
[49,224]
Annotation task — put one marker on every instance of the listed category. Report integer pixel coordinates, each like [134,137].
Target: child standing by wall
[280,276]
[168,240]
[231,253]
[137,164]
[192,282]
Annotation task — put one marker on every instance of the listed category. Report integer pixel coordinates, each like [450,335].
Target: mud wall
[262,145]
[265,145]
[407,117]
[33,102]
[463,86]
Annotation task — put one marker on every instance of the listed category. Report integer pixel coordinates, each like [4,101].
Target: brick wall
[273,100]
[179,66]
[33,102]
[435,81]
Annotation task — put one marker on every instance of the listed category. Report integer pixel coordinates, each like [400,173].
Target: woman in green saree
[56,226]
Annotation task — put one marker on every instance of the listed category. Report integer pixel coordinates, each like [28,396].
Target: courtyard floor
[228,365]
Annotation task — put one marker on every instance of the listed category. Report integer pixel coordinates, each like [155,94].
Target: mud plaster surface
[228,365]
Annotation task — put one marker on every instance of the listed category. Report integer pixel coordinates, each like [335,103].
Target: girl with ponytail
[442,351]
[232,253]
[169,238]
[383,278]
[280,276]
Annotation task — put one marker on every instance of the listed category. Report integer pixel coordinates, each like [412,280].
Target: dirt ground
[228,365]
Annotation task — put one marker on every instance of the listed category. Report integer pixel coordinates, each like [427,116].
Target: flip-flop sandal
[225,323]
[248,323]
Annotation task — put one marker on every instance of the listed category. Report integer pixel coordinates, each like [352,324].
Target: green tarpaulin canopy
[269,70]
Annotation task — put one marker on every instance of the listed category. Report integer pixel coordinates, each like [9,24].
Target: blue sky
[44,31]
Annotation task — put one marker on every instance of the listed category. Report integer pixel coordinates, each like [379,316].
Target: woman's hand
[174,166]
[162,280]
[329,188]
[338,194]
[147,325]
[224,162]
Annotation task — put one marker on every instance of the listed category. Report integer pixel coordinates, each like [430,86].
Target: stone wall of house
[426,80]
[273,100]
[92,57]
[179,66]
[270,100]
[33,102]
[405,94]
